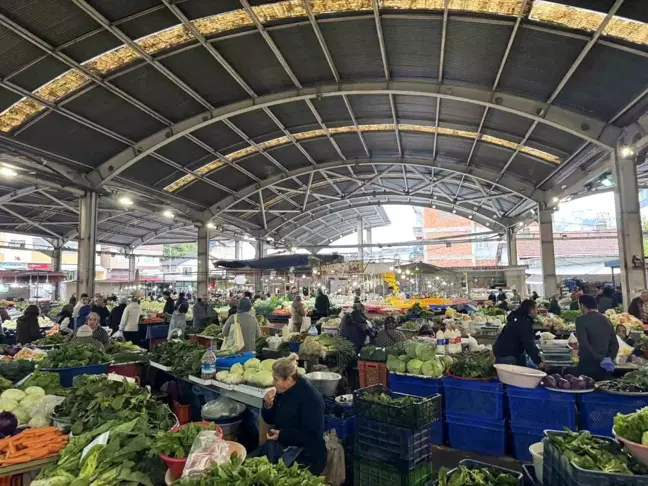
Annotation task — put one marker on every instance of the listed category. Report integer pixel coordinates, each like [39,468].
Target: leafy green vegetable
[256,471]
[178,443]
[116,347]
[95,400]
[474,365]
[184,357]
[16,370]
[433,368]
[410,349]
[49,381]
[594,454]
[632,426]
[414,366]
[570,315]
[479,476]
[633,382]
[73,355]
[57,338]
[212,330]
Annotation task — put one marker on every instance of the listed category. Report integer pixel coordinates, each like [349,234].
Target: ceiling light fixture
[8,172]
[125,201]
[168,214]
[211,225]
[626,151]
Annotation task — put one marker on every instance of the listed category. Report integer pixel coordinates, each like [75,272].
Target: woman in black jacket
[116,315]
[296,411]
[354,327]
[27,327]
[554,306]
[517,339]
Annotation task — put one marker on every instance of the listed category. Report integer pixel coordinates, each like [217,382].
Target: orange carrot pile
[30,445]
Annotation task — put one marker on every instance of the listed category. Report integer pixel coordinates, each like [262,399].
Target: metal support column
[511,247]
[369,249]
[237,249]
[57,262]
[87,243]
[360,240]
[131,268]
[258,278]
[628,219]
[203,260]
[549,279]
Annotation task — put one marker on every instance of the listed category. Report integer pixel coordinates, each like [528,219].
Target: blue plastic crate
[415,385]
[474,398]
[437,435]
[540,407]
[487,437]
[598,409]
[67,375]
[523,437]
[400,447]
[344,427]
[229,361]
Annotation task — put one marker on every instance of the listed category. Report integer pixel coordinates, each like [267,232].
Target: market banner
[346,268]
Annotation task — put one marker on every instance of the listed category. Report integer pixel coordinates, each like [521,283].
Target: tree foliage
[180,249]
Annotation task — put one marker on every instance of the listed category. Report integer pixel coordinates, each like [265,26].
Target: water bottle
[208,365]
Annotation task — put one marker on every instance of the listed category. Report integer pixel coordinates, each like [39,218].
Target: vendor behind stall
[516,343]
[27,327]
[606,300]
[554,306]
[639,307]
[597,341]
[296,411]
[354,327]
[389,335]
[322,305]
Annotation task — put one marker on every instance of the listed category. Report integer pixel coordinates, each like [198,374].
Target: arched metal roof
[279,118]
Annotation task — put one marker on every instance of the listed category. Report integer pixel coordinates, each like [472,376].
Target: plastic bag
[222,408]
[305,325]
[118,334]
[206,450]
[46,406]
[234,340]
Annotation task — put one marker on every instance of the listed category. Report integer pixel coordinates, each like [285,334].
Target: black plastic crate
[557,470]
[425,411]
[370,473]
[401,447]
[469,463]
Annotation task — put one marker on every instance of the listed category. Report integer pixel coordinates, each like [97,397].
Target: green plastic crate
[370,473]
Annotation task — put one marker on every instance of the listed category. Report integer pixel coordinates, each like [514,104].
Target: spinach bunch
[121,460]
[474,365]
[481,476]
[594,454]
[74,355]
[95,400]
[16,370]
[256,471]
[633,382]
[178,443]
[182,356]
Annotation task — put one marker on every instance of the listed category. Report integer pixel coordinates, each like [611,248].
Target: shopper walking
[247,322]
[169,306]
[129,323]
[83,300]
[322,305]
[99,307]
[179,317]
[202,311]
[116,315]
[297,313]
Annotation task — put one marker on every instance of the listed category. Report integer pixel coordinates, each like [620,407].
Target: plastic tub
[415,385]
[524,436]
[638,451]
[599,408]
[537,454]
[519,376]
[372,373]
[67,374]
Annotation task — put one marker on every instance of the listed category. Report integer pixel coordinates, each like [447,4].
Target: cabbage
[404,358]
[249,373]
[8,404]
[234,378]
[266,364]
[39,421]
[252,363]
[221,375]
[410,349]
[14,394]
[21,414]
[35,390]
[263,378]
[393,363]
[425,352]
[414,366]
[433,368]
[237,369]
[30,401]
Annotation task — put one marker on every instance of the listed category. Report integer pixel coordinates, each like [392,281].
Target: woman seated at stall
[296,411]
[83,335]
[98,332]
[389,335]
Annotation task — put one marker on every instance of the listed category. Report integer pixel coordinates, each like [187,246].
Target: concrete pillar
[87,244]
[57,261]
[203,260]
[237,249]
[132,265]
[369,252]
[360,239]
[258,278]
[628,219]
[549,279]
[511,247]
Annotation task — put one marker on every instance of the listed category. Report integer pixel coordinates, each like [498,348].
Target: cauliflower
[21,414]
[233,379]
[263,378]
[8,404]
[249,373]
[35,390]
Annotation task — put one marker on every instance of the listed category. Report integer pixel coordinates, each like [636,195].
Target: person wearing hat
[117,313]
[597,341]
[84,335]
[248,323]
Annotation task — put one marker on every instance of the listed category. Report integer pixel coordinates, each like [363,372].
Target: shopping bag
[234,340]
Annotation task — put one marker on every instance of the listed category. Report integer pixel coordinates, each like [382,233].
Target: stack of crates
[421,386]
[597,410]
[532,411]
[475,415]
[392,443]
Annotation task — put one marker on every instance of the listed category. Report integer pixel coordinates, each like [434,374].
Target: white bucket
[537,452]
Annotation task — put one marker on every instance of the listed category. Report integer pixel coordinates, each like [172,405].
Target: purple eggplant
[556,377]
[563,384]
[589,381]
[550,382]
[578,384]
[569,377]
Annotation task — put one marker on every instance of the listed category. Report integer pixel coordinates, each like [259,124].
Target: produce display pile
[633,426]
[177,443]
[49,381]
[417,359]
[568,382]
[254,471]
[252,372]
[74,355]
[474,365]
[478,476]
[57,338]
[332,346]
[30,407]
[184,357]
[594,454]
[31,445]
[95,400]
[633,382]
[43,322]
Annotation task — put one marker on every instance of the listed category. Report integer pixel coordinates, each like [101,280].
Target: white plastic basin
[520,376]
[537,452]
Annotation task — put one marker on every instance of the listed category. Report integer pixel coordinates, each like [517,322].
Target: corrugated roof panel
[552,137]
[251,57]
[149,23]
[220,137]
[481,43]
[332,109]
[59,134]
[295,116]
[350,145]
[290,157]
[528,169]
[354,47]
[196,9]
[490,156]
[184,152]
[255,124]
[92,46]
[156,91]
[413,46]
[415,108]
[231,178]
[55,21]
[538,61]
[381,143]
[416,144]
[15,52]
[453,147]
[303,53]
[320,149]
[504,122]
[371,107]
[40,73]
[259,166]
[113,10]
[606,81]
[203,193]
[101,106]
[457,112]
[7,98]
[204,74]
[149,171]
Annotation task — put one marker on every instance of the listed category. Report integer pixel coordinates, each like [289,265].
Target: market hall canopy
[267,117]
[279,262]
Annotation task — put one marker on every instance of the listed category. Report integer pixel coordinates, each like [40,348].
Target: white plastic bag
[206,450]
[118,334]
[305,325]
